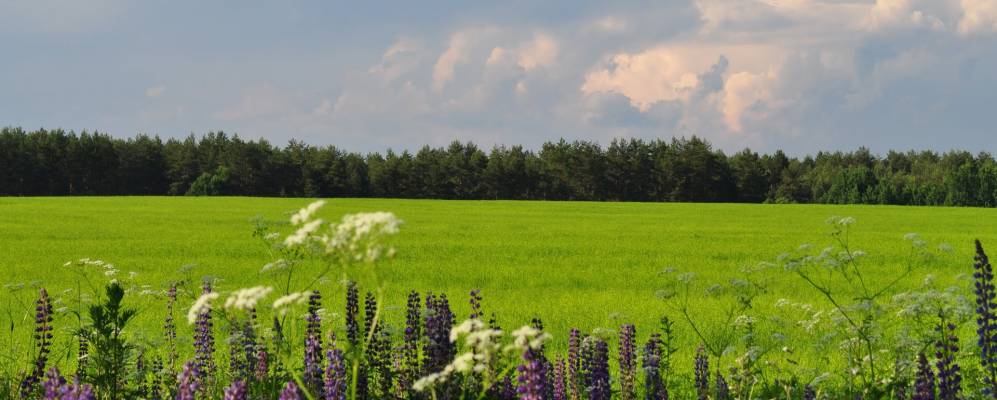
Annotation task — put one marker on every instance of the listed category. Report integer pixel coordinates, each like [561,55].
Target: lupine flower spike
[986,318]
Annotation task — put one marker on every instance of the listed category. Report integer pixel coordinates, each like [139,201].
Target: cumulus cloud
[979,16]
[456,53]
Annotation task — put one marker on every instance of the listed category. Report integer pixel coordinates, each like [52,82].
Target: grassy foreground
[573,264]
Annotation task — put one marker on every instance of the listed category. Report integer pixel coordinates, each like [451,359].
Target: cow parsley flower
[246,299]
[202,305]
[305,214]
[302,234]
[282,304]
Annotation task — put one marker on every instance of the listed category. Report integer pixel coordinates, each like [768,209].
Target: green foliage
[210,183]
[681,169]
[111,353]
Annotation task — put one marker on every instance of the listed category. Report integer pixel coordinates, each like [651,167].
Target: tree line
[56,162]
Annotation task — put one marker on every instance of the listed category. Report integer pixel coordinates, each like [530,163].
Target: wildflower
[702,369]
[204,339]
[532,376]
[574,364]
[810,394]
[290,392]
[301,235]
[558,392]
[595,364]
[305,214]
[53,383]
[628,363]
[313,342]
[986,317]
[43,342]
[170,327]
[654,388]
[723,391]
[356,235]
[949,378]
[410,348]
[236,391]
[261,371]
[334,384]
[475,301]
[187,382]
[438,349]
[924,381]
[246,299]
[201,306]
[352,310]
[282,304]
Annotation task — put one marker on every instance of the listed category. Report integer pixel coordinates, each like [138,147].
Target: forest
[57,162]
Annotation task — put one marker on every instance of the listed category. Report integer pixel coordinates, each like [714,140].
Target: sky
[798,75]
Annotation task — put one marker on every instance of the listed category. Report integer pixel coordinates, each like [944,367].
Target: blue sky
[800,75]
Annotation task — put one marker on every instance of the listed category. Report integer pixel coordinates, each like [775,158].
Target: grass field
[574,264]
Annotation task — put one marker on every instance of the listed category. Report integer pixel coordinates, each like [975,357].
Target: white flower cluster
[482,344]
[246,299]
[305,214]
[201,306]
[282,304]
[355,236]
[527,337]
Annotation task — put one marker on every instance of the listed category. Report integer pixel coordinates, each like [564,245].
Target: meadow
[587,265]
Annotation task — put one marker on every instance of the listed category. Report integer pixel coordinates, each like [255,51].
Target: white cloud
[539,52]
[456,53]
[979,16]
[155,91]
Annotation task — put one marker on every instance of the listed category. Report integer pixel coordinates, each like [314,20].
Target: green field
[574,264]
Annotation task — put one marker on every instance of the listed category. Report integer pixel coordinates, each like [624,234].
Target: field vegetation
[772,293]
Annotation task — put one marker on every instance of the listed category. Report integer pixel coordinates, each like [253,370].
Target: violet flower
[702,371]
[236,391]
[986,320]
[628,363]
[334,384]
[924,381]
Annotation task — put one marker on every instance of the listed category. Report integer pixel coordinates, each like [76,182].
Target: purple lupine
[43,343]
[438,350]
[532,377]
[313,343]
[352,311]
[82,356]
[723,390]
[56,388]
[628,363]
[369,311]
[409,368]
[595,367]
[475,300]
[924,381]
[204,342]
[654,388]
[54,383]
[574,364]
[249,345]
[290,392]
[170,327]
[986,319]
[188,381]
[334,384]
[702,369]
[946,348]
[236,391]
[559,392]
[261,370]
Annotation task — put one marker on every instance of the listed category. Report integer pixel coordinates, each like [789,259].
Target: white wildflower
[356,235]
[246,299]
[302,233]
[305,214]
[527,337]
[282,304]
[465,328]
[201,306]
